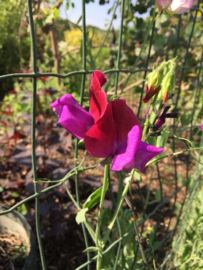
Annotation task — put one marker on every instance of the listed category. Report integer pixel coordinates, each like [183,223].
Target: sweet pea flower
[110,131]
[118,134]
[174,6]
[73,117]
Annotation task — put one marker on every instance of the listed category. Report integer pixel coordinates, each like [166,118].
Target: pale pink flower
[174,6]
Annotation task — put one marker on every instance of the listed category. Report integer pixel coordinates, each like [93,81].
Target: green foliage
[81,216]
[94,198]
[189,252]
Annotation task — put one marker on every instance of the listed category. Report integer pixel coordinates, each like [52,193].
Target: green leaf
[106,216]
[151,141]
[49,19]
[1,189]
[14,194]
[67,6]
[93,199]
[162,140]
[158,195]
[91,249]
[81,216]
[78,21]
[152,235]
[137,176]
[22,209]
[56,13]
[201,40]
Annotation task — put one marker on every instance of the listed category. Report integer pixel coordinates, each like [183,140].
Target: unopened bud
[163,117]
[168,84]
[154,82]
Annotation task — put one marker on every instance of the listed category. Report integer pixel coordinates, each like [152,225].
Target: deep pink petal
[124,119]
[98,79]
[73,117]
[202,127]
[144,153]
[98,99]
[101,141]
[105,137]
[124,160]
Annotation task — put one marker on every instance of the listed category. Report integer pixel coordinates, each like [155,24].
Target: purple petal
[124,160]
[144,153]
[202,127]
[72,116]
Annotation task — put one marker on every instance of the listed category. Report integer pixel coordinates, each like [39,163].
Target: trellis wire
[34,75]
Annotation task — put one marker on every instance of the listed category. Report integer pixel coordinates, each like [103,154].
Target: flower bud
[154,82]
[168,83]
[163,117]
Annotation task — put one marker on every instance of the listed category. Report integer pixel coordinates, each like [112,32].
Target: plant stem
[34,95]
[98,241]
[119,45]
[146,124]
[137,238]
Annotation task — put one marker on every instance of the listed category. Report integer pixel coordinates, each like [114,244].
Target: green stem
[98,241]
[148,190]
[34,93]
[119,204]
[174,154]
[146,125]
[119,46]
[117,223]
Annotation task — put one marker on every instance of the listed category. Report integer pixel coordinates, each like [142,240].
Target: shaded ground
[62,237]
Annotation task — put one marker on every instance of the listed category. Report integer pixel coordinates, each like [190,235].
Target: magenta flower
[118,134]
[73,117]
[202,127]
[174,6]
[110,131]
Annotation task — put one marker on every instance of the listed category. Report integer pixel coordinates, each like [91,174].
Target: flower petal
[124,119]
[164,3]
[101,141]
[105,137]
[150,92]
[188,5]
[73,117]
[124,160]
[98,100]
[179,6]
[144,153]
[202,127]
